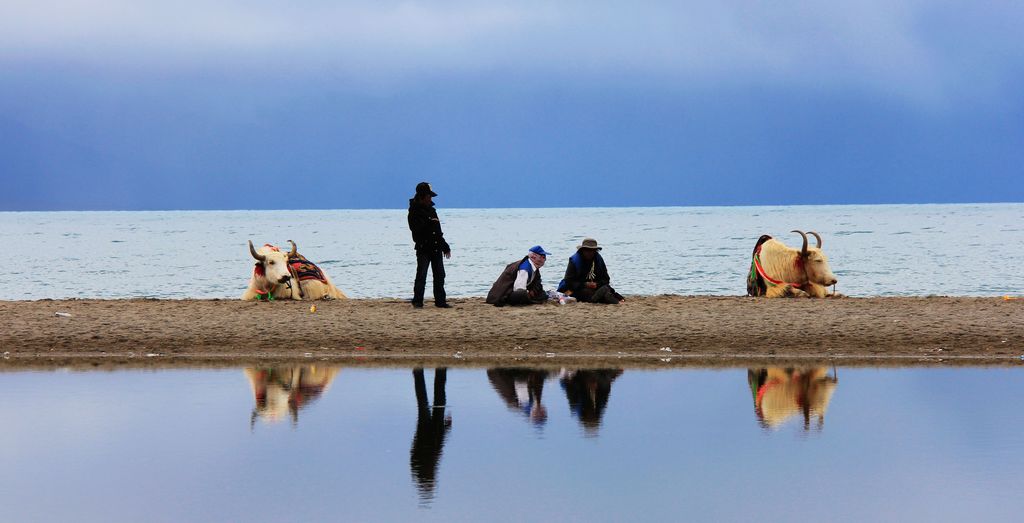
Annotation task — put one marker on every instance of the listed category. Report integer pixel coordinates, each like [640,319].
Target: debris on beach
[62,314]
[312,308]
[666,349]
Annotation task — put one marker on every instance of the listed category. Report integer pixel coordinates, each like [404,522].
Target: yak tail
[756,285]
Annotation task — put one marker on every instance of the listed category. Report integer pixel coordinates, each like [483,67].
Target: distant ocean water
[876,250]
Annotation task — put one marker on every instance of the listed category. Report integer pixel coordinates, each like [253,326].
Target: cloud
[926,51]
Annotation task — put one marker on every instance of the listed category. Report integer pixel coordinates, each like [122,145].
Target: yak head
[815,262]
[272,264]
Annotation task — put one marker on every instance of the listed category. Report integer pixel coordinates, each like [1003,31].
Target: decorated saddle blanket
[305,269]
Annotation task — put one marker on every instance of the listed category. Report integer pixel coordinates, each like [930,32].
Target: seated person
[586,277]
[519,283]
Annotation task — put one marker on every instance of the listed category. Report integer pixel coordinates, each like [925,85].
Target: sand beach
[656,331]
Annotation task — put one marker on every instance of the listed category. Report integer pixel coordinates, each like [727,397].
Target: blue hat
[537,249]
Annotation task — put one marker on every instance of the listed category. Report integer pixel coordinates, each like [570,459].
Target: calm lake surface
[354,444]
[875,250]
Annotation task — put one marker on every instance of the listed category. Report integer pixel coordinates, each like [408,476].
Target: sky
[224,104]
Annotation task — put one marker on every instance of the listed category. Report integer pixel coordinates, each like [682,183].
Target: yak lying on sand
[777,270]
[287,275]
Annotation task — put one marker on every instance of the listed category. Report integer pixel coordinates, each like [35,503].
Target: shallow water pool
[310,443]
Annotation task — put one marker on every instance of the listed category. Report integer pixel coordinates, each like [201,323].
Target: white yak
[287,275]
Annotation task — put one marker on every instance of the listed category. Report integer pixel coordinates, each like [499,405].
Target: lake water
[354,444]
[883,250]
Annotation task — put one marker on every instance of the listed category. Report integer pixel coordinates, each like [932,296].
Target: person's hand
[591,285]
[447,255]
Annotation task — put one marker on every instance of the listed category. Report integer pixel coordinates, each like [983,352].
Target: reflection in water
[587,392]
[780,393]
[432,425]
[521,389]
[287,389]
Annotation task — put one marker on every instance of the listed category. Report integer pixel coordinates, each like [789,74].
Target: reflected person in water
[781,393]
[432,425]
[280,392]
[587,392]
[521,389]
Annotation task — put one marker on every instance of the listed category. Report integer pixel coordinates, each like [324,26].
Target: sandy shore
[661,330]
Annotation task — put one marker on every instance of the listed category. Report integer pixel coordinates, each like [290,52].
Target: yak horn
[803,250]
[255,254]
[816,236]
[295,250]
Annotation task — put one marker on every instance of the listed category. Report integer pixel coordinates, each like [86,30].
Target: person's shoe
[443,306]
[417,305]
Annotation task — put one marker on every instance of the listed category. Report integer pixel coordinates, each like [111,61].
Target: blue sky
[136,104]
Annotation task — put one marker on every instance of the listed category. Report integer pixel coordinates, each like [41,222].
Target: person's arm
[522,278]
[601,274]
[435,224]
[572,279]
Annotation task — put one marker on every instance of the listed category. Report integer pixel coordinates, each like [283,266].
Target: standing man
[430,245]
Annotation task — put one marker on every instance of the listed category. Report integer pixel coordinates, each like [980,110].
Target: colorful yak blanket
[305,269]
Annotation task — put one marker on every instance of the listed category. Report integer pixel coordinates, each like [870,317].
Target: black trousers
[522,297]
[435,261]
[602,294]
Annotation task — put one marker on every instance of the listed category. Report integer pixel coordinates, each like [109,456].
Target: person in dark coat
[586,277]
[432,426]
[520,282]
[430,245]
[587,391]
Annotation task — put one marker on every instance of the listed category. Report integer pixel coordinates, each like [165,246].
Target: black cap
[423,188]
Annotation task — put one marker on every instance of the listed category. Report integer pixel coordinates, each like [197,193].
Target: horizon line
[524,207]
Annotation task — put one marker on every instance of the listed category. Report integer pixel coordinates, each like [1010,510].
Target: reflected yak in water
[587,391]
[432,426]
[283,391]
[782,393]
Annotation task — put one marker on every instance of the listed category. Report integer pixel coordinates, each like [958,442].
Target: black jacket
[576,274]
[426,228]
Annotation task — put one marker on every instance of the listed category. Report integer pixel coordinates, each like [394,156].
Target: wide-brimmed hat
[589,243]
[424,188]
